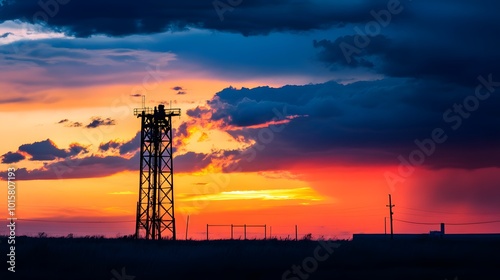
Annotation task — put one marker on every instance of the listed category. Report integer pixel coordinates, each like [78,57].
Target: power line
[440,212]
[429,211]
[363,208]
[75,222]
[418,223]
[451,224]
[413,214]
[473,223]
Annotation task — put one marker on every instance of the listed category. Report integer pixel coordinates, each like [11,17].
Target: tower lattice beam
[155,209]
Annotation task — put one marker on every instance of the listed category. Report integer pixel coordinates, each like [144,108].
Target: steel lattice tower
[155,208]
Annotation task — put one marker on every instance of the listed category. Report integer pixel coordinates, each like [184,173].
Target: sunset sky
[303,113]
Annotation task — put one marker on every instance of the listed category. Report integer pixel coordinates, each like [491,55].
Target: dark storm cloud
[131,145]
[16,100]
[180,90]
[88,167]
[191,162]
[63,164]
[247,107]
[101,166]
[194,113]
[333,52]
[94,123]
[392,57]
[68,123]
[123,147]
[75,149]
[98,121]
[11,157]
[360,123]
[250,17]
[75,124]
[455,42]
[43,150]
[5,35]
[47,150]
[109,145]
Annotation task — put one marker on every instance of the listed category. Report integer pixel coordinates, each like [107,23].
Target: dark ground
[99,258]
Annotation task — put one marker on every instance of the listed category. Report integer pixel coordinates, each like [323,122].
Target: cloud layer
[76,162]
[45,150]
[249,17]
[361,123]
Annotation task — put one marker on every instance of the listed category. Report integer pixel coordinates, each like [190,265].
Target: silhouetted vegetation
[95,257]
[307,237]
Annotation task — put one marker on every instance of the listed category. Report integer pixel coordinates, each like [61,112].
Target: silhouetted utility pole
[390,212]
[187,227]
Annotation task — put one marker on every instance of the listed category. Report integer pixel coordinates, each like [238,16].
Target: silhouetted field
[100,258]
